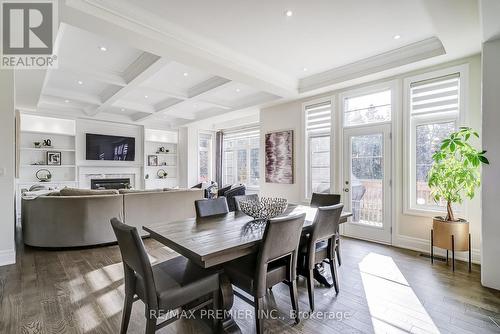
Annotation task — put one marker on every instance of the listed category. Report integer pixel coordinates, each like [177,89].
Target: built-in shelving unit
[167,161]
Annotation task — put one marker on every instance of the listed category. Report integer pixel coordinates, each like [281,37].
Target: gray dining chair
[320,245]
[211,207]
[238,199]
[318,200]
[275,262]
[163,287]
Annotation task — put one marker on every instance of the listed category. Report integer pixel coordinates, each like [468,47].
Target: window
[318,118]
[240,160]
[433,108]
[204,157]
[368,108]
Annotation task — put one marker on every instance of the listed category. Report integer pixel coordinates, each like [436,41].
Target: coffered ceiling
[173,62]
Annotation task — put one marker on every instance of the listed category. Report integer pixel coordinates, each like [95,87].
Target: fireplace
[110,183]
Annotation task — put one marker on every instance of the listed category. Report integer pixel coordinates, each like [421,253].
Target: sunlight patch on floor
[394,306]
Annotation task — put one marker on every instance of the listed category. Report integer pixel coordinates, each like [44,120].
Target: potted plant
[455,173]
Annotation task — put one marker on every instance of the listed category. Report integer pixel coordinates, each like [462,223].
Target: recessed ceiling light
[397,36]
[186,74]
[288,13]
[80,82]
[305,69]
[66,101]
[145,96]
[122,109]
[238,90]
[103,48]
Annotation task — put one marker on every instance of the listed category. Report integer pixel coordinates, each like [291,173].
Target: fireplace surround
[122,183]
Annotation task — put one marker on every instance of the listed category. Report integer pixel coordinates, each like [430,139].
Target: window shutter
[435,95]
[318,118]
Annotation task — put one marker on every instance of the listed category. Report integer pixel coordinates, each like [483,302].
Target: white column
[7,159]
[490,252]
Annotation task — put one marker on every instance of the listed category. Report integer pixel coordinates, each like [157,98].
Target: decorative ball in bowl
[265,208]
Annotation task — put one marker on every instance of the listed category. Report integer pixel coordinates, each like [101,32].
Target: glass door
[366,185]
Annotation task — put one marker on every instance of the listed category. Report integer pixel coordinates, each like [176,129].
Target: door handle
[346,190]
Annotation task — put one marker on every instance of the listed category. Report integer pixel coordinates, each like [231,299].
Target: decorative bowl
[265,208]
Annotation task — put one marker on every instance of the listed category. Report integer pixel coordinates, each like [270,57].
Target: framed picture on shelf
[152,160]
[53,158]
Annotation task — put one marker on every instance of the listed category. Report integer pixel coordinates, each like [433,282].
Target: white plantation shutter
[249,132]
[435,95]
[318,118]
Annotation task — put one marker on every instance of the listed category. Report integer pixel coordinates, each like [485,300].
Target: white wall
[7,140]
[409,231]
[490,269]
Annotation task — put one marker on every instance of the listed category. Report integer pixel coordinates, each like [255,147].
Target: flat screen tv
[103,147]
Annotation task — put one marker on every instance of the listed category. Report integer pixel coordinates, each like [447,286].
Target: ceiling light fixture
[103,48]
[238,90]
[80,82]
[288,13]
[397,36]
[304,69]
[145,96]
[122,109]
[66,101]
[186,74]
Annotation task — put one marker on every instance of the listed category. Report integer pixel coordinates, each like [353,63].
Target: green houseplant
[455,173]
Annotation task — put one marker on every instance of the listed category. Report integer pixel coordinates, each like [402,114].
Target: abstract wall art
[279,157]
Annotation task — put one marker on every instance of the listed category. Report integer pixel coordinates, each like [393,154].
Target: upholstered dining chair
[163,287]
[275,262]
[238,199]
[315,249]
[318,200]
[211,207]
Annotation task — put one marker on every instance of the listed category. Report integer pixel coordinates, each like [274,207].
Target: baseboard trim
[424,246]
[7,257]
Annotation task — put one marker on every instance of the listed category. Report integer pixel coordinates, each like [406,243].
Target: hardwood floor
[383,290]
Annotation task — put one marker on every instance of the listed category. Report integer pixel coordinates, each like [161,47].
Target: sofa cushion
[133,191]
[87,192]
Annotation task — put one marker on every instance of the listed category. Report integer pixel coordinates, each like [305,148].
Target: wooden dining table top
[215,240]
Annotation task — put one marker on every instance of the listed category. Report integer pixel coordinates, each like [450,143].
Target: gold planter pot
[452,236]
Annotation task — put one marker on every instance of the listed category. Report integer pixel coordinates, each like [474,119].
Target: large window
[433,107]
[318,127]
[368,108]
[240,161]
[204,157]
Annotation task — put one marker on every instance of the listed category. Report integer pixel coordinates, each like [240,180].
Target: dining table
[212,241]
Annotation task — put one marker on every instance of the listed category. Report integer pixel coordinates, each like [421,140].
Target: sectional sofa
[79,217]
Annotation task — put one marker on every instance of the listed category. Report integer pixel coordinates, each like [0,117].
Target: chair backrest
[318,199]
[325,225]
[238,199]
[281,238]
[232,193]
[134,256]
[211,207]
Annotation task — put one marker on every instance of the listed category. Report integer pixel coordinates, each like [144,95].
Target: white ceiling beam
[72,96]
[145,66]
[89,74]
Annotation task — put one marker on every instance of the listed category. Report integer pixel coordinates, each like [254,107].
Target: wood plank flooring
[383,290]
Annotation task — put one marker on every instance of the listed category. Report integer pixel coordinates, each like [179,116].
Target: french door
[367,182]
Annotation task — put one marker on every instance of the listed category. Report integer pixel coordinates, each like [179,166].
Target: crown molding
[425,49]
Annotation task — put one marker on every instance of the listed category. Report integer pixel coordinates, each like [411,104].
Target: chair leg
[310,288]
[150,323]
[337,250]
[216,308]
[294,298]
[258,305]
[335,278]
[127,309]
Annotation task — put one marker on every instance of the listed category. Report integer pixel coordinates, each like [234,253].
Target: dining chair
[318,200]
[315,249]
[275,262]
[211,207]
[163,287]
[238,199]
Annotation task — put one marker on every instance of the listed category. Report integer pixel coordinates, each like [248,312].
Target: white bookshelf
[168,161]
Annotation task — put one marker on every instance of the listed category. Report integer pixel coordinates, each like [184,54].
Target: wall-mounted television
[103,147]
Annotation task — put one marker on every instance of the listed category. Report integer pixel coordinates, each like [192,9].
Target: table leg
[227,300]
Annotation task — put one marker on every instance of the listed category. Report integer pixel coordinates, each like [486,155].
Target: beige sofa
[72,220]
